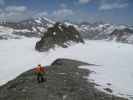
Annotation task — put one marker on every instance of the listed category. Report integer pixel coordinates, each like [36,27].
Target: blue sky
[109,11]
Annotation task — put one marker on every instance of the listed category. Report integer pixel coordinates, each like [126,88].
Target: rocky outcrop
[65,81]
[122,35]
[60,35]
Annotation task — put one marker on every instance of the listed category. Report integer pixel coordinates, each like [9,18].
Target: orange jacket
[40,69]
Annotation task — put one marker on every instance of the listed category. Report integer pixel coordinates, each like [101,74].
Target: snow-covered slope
[115,60]
[6,32]
[11,33]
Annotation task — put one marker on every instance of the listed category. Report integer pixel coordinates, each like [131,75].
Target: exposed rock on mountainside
[28,28]
[119,33]
[65,81]
[34,24]
[124,35]
[60,35]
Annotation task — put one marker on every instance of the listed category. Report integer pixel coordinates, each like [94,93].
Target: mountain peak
[59,34]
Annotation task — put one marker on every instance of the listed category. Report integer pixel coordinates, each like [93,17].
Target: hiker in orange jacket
[40,71]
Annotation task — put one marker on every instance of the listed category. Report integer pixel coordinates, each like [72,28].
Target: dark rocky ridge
[65,82]
[60,35]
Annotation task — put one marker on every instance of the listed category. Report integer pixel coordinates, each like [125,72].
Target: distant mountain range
[120,33]
[29,28]
[96,31]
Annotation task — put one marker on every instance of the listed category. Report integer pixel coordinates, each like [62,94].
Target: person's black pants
[40,78]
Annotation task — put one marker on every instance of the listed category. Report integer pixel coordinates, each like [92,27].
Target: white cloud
[59,14]
[14,13]
[84,1]
[112,6]
[2,2]
[62,13]
[1,10]
[42,14]
[16,8]
[63,5]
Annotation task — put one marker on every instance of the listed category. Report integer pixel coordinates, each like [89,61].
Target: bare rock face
[60,35]
[65,81]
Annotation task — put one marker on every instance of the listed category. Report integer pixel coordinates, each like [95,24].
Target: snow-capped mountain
[62,35]
[120,33]
[29,28]
[37,26]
